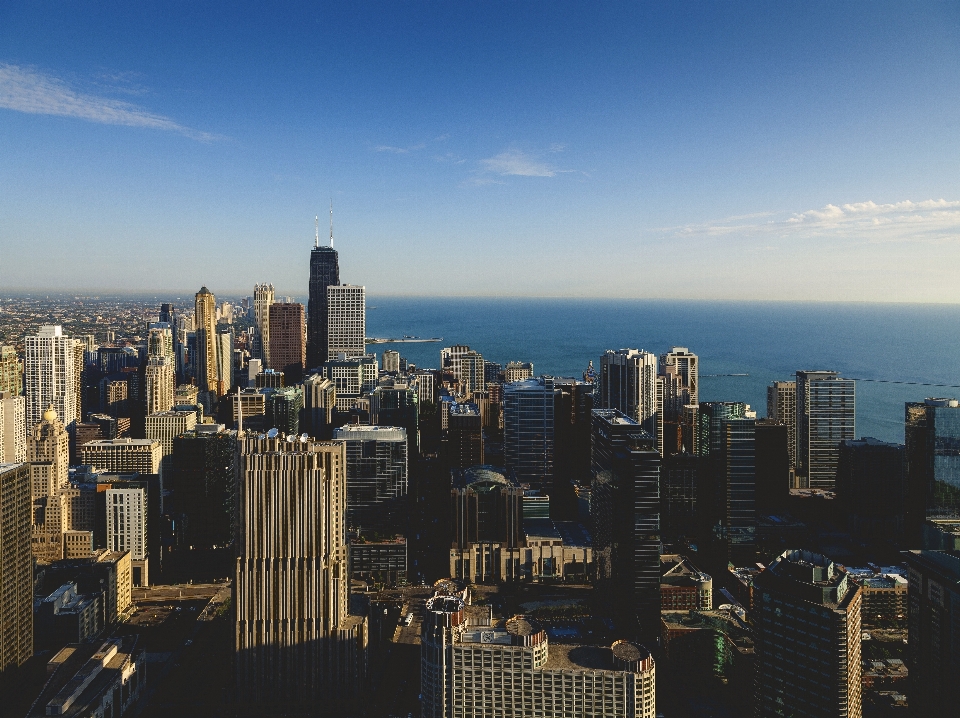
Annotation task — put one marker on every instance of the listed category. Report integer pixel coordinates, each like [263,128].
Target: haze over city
[636,150]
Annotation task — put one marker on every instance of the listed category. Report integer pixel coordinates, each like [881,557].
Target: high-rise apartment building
[13,428]
[628,383]
[346,320]
[686,365]
[291,542]
[319,403]
[206,356]
[164,427]
[471,665]
[807,638]
[262,301]
[735,480]
[826,415]
[225,341]
[782,406]
[933,650]
[11,371]
[16,566]
[376,469]
[471,372]
[324,272]
[51,375]
[288,340]
[528,431]
[48,452]
[625,505]
[932,456]
[352,377]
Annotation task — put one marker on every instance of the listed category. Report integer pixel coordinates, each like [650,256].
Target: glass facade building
[932,437]
[324,272]
[826,415]
[528,424]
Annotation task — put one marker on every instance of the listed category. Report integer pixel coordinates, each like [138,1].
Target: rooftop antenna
[331,222]
[316,221]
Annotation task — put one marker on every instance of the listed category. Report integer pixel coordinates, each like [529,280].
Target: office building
[709,416]
[470,372]
[625,508]
[51,375]
[395,403]
[291,541]
[826,415]
[225,342]
[346,321]
[464,436]
[628,383]
[773,465]
[11,371]
[262,301]
[872,490]
[16,566]
[270,379]
[735,480]
[683,586]
[165,427]
[423,381]
[206,353]
[376,471]
[288,340]
[13,428]
[528,431]
[123,456]
[932,440]
[782,407]
[933,651]
[517,371]
[680,477]
[319,403]
[283,408]
[161,377]
[473,665]
[807,638]
[391,361]
[324,272]
[352,377]
[202,480]
[381,560]
[48,451]
[573,427]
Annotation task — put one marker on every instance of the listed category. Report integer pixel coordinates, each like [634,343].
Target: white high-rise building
[13,429]
[51,375]
[127,527]
[346,320]
[628,383]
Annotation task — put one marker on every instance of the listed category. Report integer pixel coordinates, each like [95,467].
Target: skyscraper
[782,407]
[625,504]
[11,371]
[51,375]
[528,431]
[932,459]
[262,301]
[206,323]
[933,651]
[685,364]
[324,272]
[16,566]
[628,383]
[287,340]
[346,320]
[224,358]
[376,470]
[291,541]
[13,428]
[826,415]
[161,369]
[807,639]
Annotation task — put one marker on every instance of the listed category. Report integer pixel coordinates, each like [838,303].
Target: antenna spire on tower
[331,222]
[316,242]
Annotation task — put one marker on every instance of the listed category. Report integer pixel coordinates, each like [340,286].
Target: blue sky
[689,150]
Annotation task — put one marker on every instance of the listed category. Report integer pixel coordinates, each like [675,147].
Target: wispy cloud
[865,222]
[24,89]
[398,150]
[515,162]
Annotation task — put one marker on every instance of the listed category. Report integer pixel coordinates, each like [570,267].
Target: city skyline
[791,153]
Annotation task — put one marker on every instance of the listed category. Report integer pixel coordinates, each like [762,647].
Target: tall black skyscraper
[324,272]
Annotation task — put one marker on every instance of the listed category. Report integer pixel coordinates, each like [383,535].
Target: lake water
[768,341]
